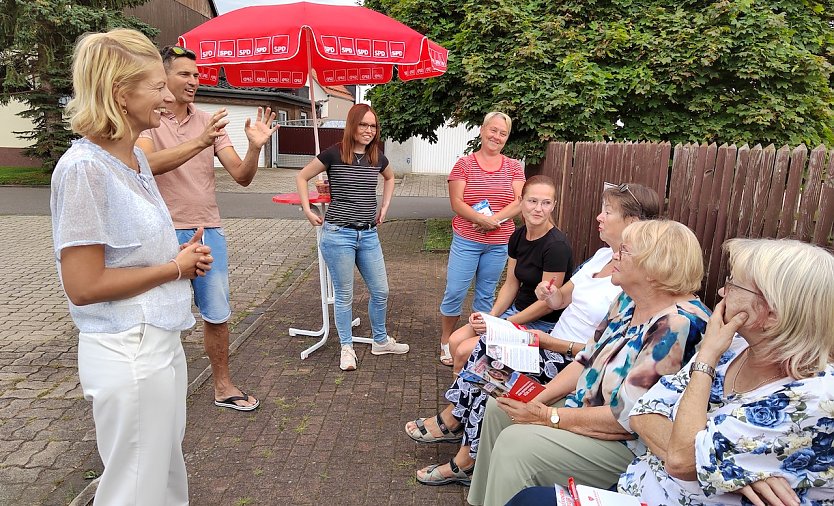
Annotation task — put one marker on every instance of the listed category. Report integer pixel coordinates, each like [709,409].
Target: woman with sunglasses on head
[751,419]
[349,229]
[586,298]
[123,271]
[484,191]
[579,425]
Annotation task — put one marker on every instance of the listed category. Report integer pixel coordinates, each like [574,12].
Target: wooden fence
[718,192]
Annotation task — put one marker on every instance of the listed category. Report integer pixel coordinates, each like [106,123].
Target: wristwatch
[702,367]
[554,418]
[569,353]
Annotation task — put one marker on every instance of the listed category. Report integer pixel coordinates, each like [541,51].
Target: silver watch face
[554,417]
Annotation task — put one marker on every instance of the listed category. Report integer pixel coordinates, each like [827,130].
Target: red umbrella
[278,46]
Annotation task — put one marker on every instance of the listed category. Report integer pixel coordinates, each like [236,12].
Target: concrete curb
[86,496]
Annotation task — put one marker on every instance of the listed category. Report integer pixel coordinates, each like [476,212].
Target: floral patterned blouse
[784,428]
[624,360]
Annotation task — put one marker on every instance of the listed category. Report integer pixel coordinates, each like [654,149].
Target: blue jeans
[467,260]
[211,292]
[342,248]
[542,325]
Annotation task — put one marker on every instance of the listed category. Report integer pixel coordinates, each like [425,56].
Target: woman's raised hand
[545,290]
[719,334]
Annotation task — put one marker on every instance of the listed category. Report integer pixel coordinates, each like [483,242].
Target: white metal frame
[327,298]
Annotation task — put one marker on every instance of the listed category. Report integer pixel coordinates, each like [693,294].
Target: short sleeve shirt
[590,300]
[549,253]
[189,189]
[97,200]
[496,187]
[352,186]
[623,360]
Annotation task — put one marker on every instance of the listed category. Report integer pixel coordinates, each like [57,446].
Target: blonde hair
[498,114]
[796,280]
[101,64]
[668,252]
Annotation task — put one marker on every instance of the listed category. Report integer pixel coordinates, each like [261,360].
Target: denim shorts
[542,325]
[211,292]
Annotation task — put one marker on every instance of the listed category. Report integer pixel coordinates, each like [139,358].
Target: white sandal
[446,356]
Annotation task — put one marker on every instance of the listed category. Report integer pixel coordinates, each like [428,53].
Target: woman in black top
[349,234]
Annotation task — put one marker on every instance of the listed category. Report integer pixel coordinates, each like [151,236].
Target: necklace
[359,159]
[763,382]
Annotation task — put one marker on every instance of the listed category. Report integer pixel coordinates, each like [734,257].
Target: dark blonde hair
[101,64]
[634,200]
[354,117]
[796,280]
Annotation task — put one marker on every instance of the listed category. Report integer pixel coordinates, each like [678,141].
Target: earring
[124,110]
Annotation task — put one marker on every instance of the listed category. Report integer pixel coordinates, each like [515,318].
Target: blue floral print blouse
[624,360]
[784,428]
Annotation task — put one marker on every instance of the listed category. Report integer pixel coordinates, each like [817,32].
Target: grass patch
[30,176]
[438,235]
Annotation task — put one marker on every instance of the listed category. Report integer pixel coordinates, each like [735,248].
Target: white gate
[439,158]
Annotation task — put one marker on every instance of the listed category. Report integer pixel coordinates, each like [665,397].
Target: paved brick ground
[323,436]
[315,421]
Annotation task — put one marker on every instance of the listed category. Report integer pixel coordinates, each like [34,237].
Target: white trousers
[137,381]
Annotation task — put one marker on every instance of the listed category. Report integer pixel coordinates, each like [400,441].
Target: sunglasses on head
[177,51]
[623,188]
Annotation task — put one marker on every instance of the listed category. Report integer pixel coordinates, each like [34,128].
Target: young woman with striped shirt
[349,235]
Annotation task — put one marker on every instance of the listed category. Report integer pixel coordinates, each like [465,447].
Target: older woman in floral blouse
[753,415]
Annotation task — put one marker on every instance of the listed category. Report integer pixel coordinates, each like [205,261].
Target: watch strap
[702,367]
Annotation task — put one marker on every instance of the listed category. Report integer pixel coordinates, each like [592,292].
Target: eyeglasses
[534,203]
[622,251]
[623,188]
[167,51]
[367,126]
[729,283]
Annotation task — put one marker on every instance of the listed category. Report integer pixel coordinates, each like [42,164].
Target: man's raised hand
[260,131]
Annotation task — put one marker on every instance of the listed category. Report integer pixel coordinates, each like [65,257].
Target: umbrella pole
[312,87]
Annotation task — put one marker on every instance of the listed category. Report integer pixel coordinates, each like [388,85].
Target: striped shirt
[352,186]
[497,187]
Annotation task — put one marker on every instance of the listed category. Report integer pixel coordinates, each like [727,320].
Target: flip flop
[422,434]
[434,478]
[229,402]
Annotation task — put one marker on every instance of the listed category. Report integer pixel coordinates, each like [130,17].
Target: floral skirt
[469,401]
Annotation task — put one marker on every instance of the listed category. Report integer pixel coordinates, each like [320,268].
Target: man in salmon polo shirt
[181,154]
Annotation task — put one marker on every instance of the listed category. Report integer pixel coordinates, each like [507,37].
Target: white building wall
[11,123]
[237,120]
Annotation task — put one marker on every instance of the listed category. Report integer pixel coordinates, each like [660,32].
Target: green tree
[36,43]
[683,71]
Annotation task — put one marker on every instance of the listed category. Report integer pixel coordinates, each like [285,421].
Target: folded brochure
[582,495]
[516,347]
[499,380]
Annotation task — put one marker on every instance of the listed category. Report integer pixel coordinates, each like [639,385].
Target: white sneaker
[348,360]
[390,346]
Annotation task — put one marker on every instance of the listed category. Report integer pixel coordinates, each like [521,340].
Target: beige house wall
[11,122]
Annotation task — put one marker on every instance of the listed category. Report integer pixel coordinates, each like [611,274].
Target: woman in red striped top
[484,190]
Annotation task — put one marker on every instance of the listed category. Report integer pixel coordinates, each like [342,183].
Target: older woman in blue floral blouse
[753,415]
